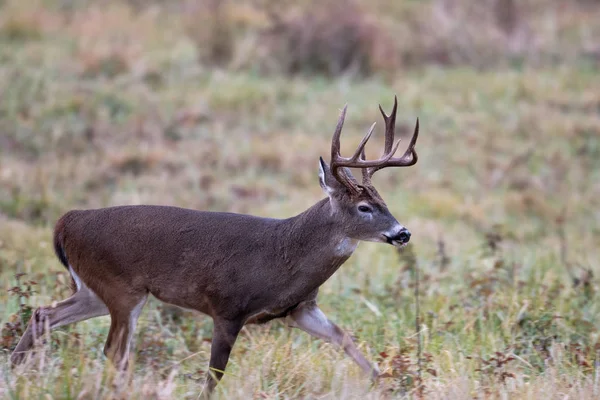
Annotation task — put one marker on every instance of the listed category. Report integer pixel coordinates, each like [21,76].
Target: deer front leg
[225,333]
[309,317]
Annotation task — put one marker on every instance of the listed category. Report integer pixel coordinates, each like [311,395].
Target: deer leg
[225,333]
[309,318]
[84,304]
[123,320]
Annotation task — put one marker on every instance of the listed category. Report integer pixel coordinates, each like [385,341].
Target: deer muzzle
[401,238]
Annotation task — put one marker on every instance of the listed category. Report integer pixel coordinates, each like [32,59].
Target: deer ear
[329,184]
[323,172]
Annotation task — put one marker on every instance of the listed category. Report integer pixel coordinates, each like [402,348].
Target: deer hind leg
[84,304]
[225,333]
[122,327]
[309,318]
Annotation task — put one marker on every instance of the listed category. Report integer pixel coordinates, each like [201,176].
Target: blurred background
[227,105]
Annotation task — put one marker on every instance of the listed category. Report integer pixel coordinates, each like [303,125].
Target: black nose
[404,235]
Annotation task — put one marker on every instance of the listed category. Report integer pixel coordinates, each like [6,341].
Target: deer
[238,269]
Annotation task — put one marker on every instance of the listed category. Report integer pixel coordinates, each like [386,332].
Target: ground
[112,106]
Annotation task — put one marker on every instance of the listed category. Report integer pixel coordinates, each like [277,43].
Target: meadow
[227,106]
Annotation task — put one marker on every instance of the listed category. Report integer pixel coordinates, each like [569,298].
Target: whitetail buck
[238,269]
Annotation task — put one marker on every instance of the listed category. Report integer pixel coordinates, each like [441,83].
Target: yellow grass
[114,103]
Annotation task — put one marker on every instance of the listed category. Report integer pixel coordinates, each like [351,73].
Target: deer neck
[317,239]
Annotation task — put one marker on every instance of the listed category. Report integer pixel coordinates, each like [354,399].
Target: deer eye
[364,209]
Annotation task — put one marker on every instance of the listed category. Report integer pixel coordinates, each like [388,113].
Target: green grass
[509,163]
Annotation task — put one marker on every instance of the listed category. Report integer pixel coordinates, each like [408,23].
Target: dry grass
[116,104]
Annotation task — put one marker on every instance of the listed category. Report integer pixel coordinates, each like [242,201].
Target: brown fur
[225,265]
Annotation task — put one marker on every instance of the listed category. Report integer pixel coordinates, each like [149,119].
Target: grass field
[111,104]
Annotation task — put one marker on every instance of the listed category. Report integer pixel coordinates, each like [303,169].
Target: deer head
[359,206]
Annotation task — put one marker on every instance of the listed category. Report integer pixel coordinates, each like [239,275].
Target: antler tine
[335,141]
[366,179]
[390,126]
[410,156]
[337,161]
[360,150]
[411,145]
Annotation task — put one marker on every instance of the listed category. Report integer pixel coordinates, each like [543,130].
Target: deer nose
[404,235]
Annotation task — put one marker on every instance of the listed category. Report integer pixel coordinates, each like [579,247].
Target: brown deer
[239,269]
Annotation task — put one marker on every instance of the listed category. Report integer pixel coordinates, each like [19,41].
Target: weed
[14,328]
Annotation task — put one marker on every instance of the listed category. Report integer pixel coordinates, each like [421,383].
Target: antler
[358,159]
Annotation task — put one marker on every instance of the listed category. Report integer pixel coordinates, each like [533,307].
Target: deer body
[227,265]
[238,269]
